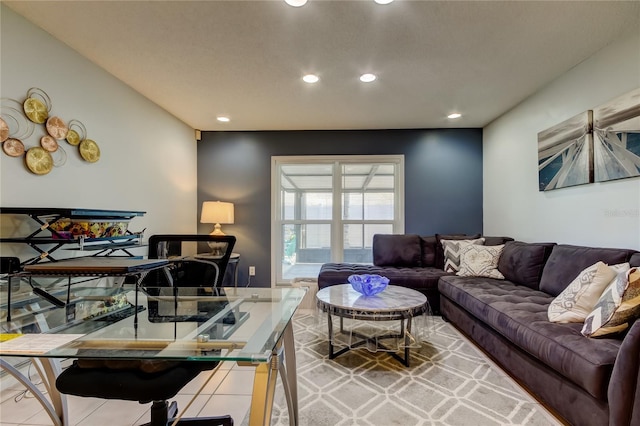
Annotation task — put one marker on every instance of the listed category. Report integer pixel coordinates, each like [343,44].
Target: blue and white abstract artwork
[616,133]
[565,153]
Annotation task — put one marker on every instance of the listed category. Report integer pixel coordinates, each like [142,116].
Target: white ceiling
[245,59]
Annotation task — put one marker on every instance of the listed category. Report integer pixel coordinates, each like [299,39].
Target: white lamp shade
[216,212]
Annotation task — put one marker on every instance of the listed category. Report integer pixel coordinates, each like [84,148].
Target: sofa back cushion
[496,241]
[397,250]
[566,262]
[635,260]
[429,250]
[523,263]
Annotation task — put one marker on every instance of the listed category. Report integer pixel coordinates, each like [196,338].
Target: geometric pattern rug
[449,382]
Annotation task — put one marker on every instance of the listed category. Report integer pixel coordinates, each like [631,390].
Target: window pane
[352,208]
[305,249]
[316,236]
[288,205]
[290,242]
[378,206]
[368,176]
[317,206]
[353,236]
[307,176]
[358,241]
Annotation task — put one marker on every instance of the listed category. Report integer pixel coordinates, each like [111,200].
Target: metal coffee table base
[369,340]
[395,303]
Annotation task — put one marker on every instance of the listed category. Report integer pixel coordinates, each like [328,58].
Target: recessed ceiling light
[454,115]
[367,78]
[383,1]
[310,78]
[223,118]
[296,3]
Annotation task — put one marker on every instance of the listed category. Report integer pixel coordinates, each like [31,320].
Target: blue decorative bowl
[368,284]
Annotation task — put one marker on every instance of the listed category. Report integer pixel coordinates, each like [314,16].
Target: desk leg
[48,369]
[264,386]
[264,382]
[289,374]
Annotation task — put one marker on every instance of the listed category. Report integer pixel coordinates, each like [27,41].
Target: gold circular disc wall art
[89,150]
[56,128]
[13,147]
[39,160]
[73,137]
[35,110]
[18,120]
[49,143]
[4,130]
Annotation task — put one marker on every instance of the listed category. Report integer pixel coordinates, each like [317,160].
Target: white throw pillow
[480,261]
[581,295]
[452,249]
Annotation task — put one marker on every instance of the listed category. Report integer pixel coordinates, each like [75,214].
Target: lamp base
[217,249]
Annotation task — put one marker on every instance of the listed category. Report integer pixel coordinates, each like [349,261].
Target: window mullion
[337,233]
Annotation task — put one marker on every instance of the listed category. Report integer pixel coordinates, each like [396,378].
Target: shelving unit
[46,241]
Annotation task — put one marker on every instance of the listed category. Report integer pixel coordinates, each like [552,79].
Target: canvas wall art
[565,153]
[616,133]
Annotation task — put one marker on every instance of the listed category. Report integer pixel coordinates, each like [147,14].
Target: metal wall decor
[594,146]
[18,122]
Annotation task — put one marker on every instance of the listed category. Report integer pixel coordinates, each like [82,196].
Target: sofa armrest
[624,399]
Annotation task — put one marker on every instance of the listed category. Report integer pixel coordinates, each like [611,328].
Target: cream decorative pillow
[581,295]
[452,252]
[617,308]
[480,261]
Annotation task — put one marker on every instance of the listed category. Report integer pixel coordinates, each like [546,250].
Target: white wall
[148,157]
[601,214]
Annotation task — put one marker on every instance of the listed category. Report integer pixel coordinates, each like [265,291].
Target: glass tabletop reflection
[173,323]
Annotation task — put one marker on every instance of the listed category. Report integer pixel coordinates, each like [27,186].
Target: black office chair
[205,269]
[133,382]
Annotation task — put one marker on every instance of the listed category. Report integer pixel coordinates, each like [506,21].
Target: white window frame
[337,223]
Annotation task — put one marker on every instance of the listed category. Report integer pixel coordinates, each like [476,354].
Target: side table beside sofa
[585,380]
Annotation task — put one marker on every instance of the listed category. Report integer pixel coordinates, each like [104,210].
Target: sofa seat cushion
[415,278]
[520,314]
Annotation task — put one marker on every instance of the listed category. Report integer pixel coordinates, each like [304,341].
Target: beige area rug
[449,382]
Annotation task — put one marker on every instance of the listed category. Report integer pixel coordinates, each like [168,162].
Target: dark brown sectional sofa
[586,381]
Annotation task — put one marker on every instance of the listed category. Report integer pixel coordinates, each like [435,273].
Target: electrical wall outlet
[252,271]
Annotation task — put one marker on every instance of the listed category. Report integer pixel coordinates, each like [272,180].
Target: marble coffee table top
[342,299]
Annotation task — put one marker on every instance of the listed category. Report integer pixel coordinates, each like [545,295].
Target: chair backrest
[202,266]
[9,264]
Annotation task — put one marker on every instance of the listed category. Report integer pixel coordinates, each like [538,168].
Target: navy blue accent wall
[443,179]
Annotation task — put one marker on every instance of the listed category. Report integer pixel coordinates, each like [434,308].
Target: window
[327,209]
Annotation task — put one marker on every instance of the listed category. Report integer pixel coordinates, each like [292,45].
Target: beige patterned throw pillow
[452,252]
[480,261]
[617,308]
[578,299]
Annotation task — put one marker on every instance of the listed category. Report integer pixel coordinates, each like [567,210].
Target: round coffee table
[394,303]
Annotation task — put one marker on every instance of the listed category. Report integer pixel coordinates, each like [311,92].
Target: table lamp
[217,212]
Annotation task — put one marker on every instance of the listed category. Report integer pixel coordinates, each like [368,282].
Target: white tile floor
[228,392]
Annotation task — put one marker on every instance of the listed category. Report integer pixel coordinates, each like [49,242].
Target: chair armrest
[624,399]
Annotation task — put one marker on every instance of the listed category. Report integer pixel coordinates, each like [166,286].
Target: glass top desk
[251,326]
